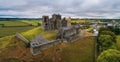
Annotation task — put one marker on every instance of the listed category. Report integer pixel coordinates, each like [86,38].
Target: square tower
[45,23]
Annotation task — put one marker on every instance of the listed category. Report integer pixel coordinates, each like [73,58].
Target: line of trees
[16,19]
[106,46]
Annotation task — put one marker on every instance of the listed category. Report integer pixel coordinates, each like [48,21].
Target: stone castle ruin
[66,33]
[55,22]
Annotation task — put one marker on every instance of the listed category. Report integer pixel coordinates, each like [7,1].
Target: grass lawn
[5,31]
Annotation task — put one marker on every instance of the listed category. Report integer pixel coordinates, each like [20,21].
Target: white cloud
[73,8]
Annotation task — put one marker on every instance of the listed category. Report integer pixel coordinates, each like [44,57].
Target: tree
[109,33]
[110,55]
[105,42]
[116,30]
[103,29]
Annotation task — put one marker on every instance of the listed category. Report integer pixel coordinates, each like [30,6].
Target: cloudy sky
[72,8]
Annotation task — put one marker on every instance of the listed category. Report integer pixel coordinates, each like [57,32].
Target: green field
[21,22]
[13,23]
[5,31]
[11,27]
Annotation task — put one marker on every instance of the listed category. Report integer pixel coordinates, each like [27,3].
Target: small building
[95,32]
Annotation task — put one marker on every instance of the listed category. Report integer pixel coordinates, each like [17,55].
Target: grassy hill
[30,35]
[79,51]
[14,50]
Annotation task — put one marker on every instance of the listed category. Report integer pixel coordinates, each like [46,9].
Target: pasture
[11,27]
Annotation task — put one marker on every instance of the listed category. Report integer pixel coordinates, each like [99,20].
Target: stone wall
[40,48]
[22,38]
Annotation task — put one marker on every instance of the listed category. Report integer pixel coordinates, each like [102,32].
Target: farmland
[21,22]
[6,31]
[11,27]
[13,23]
